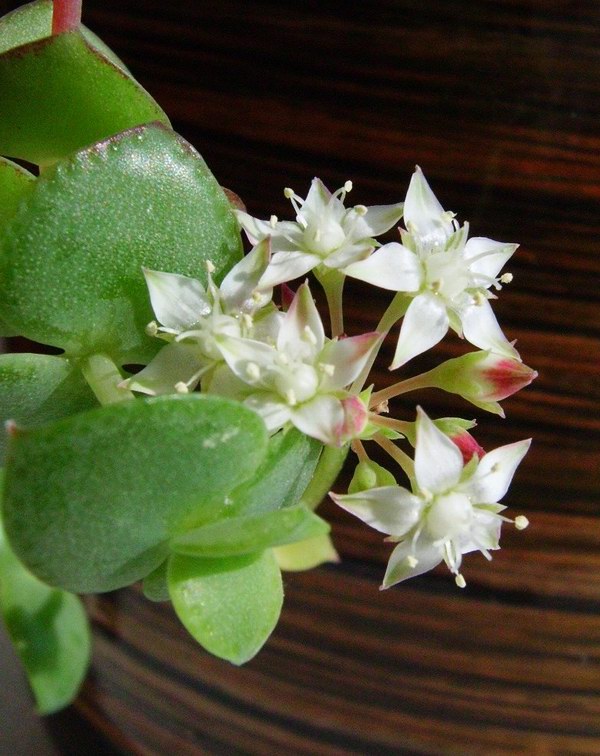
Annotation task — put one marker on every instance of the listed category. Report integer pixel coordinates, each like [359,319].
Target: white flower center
[449,516]
[297,383]
[447,274]
[205,331]
[324,237]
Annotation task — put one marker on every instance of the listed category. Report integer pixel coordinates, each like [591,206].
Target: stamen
[506,278]
[291,397]
[256,296]
[288,193]
[412,561]
[360,210]
[348,186]
[253,371]
[478,299]
[273,221]
[210,268]
[247,320]
[309,335]
[152,328]
[182,388]
[327,368]
[460,581]
[521,522]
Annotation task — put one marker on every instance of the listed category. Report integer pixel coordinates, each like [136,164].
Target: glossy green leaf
[243,535]
[71,260]
[61,93]
[49,629]
[38,388]
[282,478]
[91,501]
[230,606]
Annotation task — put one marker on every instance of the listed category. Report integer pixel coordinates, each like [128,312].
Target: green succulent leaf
[281,479]
[306,555]
[92,500]
[39,388]
[60,93]
[155,584]
[71,259]
[243,535]
[230,606]
[15,184]
[49,630]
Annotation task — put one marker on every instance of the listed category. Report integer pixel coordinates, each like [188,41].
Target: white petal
[242,280]
[256,230]
[423,214]
[424,325]
[348,357]
[178,301]
[438,461]
[481,328]
[174,363]
[285,266]
[407,561]
[392,267]
[348,254]
[250,360]
[301,333]
[494,473]
[273,410]
[491,255]
[377,220]
[222,381]
[391,509]
[317,200]
[320,418]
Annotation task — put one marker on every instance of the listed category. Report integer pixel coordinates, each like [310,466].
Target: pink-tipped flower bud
[468,446]
[356,417]
[482,378]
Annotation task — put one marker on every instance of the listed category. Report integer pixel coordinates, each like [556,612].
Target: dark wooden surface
[498,101]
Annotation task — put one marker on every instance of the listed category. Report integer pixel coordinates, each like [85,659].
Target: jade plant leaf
[49,630]
[91,501]
[230,606]
[71,259]
[61,93]
[306,555]
[15,184]
[155,585]
[243,535]
[38,388]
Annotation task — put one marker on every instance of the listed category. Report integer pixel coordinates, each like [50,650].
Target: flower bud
[483,378]
[369,474]
[468,445]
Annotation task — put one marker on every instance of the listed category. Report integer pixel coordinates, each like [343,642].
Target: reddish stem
[66,15]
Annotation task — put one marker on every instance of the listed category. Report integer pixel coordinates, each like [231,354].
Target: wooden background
[498,101]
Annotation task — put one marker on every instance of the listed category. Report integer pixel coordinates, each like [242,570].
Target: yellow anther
[348,186]
[506,278]
[273,221]
[521,522]
[360,210]
[460,581]
[182,388]
[288,193]
[152,328]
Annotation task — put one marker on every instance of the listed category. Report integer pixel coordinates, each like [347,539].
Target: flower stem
[359,449]
[402,387]
[66,15]
[104,377]
[389,422]
[397,455]
[332,282]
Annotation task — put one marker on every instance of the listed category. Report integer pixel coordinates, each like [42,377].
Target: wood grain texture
[498,101]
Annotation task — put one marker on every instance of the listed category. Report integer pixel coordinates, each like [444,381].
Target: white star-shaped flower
[452,510]
[446,275]
[191,318]
[302,378]
[326,235]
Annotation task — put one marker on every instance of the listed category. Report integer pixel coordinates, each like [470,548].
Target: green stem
[104,377]
[402,387]
[328,468]
[397,455]
[332,282]
[66,15]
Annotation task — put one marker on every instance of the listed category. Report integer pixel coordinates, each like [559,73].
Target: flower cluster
[232,340]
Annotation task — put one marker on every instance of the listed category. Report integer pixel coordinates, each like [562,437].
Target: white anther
[412,561]
[348,186]
[253,371]
[360,209]
[460,581]
[273,221]
[309,335]
[152,328]
[288,193]
[449,215]
[210,268]
[327,368]
[521,522]
[506,278]
[182,388]
[291,397]
[247,320]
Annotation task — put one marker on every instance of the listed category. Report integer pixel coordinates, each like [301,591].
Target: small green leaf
[306,555]
[369,474]
[155,584]
[92,500]
[71,262]
[282,478]
[15,184]
[230,606]
[49,630]
[38,388]
[60,93]
[244,535]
